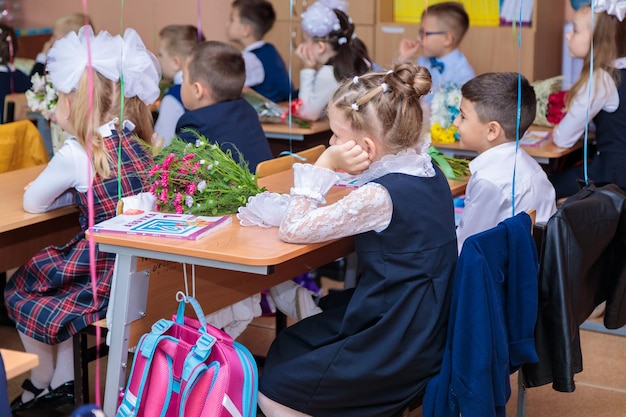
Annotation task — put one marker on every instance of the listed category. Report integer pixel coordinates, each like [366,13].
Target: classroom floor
[600,388]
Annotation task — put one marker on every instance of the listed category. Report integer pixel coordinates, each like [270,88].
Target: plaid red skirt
[51,297]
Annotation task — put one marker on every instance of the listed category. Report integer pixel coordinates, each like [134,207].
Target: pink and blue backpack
[187,368]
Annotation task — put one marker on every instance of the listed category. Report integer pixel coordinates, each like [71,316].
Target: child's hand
[157,144]
[409,49]
[304,52]
[349,157]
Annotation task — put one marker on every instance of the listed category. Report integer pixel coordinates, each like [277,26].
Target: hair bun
[411,78]
[422,81]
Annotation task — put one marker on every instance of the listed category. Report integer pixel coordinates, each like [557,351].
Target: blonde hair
[179,39]
[609,43]
[386,104]
[71,23]
[452,16]
[105,107]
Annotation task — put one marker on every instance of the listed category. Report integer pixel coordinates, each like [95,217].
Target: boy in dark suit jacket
[213,77]
[266,72]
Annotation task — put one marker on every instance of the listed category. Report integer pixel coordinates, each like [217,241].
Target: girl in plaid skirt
[51,297]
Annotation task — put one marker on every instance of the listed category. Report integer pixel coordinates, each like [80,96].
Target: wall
[145,16]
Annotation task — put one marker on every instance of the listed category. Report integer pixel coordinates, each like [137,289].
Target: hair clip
[355,80]
[385,87]
[355,106]
[342,40]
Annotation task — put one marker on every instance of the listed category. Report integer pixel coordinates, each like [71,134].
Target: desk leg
[119,331]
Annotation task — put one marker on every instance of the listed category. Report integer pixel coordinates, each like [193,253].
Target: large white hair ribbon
[320,19]
[140,68]
[616,8]
[68,58]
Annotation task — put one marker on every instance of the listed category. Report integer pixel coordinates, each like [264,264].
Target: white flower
[201,185]
[189,201]
[42,97]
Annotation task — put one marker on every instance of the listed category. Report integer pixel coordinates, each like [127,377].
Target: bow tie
[437,64]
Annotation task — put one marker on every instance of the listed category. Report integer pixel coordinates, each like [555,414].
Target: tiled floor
[600,388]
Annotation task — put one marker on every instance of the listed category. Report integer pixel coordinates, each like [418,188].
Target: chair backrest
[21,146]
[15,107]
[283,163]
[491,323]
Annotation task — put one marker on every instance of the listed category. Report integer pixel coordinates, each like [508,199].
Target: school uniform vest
[233,125]
[608,164]
[174,91]
[276,85]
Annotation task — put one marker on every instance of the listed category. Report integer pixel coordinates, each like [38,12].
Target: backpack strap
[147,346]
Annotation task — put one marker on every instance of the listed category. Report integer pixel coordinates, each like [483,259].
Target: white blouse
[367,208]
[66,170]
[604,96]
[316,89]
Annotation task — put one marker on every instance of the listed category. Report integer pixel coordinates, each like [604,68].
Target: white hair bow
[616,8]
[68,57]
[319,19]
[140,68]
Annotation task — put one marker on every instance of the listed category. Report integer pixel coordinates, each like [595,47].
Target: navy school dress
[50,297]
[373,349]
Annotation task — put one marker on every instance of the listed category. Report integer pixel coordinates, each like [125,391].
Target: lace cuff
[265,210]
[312,182]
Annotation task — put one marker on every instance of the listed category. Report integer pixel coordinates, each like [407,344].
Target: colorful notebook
[179,226]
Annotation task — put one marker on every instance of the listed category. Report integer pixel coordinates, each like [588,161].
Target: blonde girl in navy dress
[51,297]
[372,349]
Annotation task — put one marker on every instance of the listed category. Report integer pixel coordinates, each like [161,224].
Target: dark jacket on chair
[491,324]
[584,264]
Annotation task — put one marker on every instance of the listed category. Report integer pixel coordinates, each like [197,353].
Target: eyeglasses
[422,33]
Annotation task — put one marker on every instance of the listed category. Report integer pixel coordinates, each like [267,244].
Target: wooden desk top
[16,362]
[547,149]
[319,126]
[253,246]
[13,215]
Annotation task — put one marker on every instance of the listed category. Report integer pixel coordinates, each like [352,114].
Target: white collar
[408,161]
[178,77]
[253,46]
[106,130]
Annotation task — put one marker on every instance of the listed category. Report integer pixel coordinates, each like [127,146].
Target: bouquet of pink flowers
[200,179]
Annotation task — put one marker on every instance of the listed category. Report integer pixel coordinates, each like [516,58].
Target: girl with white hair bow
[51,297]
[330,52]
[598,94]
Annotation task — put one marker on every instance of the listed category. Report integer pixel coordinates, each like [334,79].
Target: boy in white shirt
[487,124]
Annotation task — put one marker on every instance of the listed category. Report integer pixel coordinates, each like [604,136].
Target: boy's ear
[448,39]
[179,63]
[494,130]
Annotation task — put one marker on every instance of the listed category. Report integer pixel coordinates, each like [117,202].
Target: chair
[21,146]
[15,107]
[283,163]
[491,322]
[582,265]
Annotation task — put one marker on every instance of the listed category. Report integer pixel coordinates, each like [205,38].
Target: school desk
[284,137]
[23,234]
[231,264]
[546,153]
[17,362]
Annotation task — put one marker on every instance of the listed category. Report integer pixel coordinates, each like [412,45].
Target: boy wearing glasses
[442,29]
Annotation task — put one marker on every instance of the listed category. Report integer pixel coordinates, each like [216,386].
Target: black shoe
[27,385]
[61,395]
